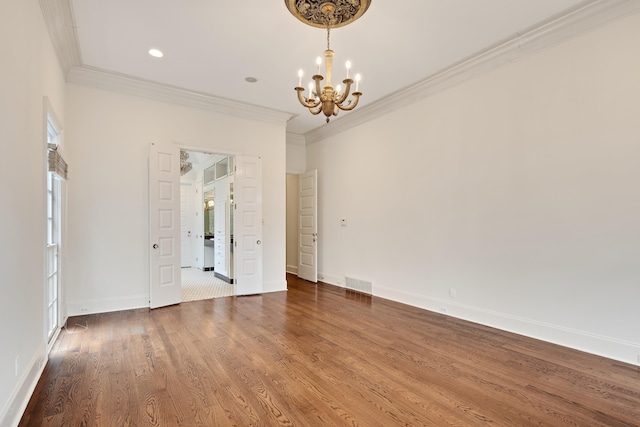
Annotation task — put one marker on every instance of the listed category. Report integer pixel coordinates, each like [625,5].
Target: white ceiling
[211,46]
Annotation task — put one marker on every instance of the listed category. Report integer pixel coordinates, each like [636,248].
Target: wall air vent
[359,285]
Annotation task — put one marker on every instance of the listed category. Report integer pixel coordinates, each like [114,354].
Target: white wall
[517,189]
[28,73]
[296,154]
[108,138]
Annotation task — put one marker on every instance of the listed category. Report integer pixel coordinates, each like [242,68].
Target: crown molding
[58,16]
[571,23]
[295,139]
[102,79]
[587,16]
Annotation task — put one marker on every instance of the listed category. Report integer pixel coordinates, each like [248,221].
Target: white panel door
[164,225]
[247,225]
[308,226]
[186,224]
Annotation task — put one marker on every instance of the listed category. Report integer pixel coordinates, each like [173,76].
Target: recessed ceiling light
[156,53]
[251,79]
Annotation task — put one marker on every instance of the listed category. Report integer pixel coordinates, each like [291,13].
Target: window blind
[57,164]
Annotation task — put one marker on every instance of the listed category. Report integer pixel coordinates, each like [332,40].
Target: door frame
[190,222]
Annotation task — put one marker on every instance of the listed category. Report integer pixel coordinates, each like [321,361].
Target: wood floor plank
[318,355]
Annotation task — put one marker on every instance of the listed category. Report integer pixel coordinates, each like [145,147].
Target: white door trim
[187,232]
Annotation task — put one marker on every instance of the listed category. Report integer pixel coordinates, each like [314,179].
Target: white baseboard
[292,269]
[332,280]
[78,308]
[83,307]
[274,286]
[579,340]
[19,399]
[610,348]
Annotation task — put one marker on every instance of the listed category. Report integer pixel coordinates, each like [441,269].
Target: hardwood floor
[318,355]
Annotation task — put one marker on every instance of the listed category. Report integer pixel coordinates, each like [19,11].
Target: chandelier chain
[328,32]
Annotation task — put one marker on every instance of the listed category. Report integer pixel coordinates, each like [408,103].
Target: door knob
[155,246]
[259,242]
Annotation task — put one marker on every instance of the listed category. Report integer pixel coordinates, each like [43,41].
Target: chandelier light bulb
[300,77]
[338,89]
[318,61]
[357,81]
[348,67]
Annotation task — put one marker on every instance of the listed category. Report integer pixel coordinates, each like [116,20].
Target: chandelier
[185,165]
[328,14]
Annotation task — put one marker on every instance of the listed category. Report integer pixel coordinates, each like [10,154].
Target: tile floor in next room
[199,285]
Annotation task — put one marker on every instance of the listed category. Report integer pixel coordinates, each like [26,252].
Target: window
[56,173]
[52,291]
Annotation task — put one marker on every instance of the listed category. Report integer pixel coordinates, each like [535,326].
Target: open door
[164,225]
[308,226]
[247,225]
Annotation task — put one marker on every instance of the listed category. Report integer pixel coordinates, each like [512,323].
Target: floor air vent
[359,285]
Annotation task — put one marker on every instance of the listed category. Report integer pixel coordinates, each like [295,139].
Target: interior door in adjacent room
[247,225]
[308,226]
[164,225]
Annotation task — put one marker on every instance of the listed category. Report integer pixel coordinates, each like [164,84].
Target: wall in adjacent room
[510,200]
[296,164]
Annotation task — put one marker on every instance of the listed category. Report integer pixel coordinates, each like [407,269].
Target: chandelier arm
[318,78]
[344,95]
[306,102]
[352,104]
[315,111]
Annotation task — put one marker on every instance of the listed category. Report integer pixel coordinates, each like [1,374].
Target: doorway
[198,276]
[302,225]
[241,239]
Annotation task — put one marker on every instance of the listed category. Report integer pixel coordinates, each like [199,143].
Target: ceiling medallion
[328,14]
[323,13]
